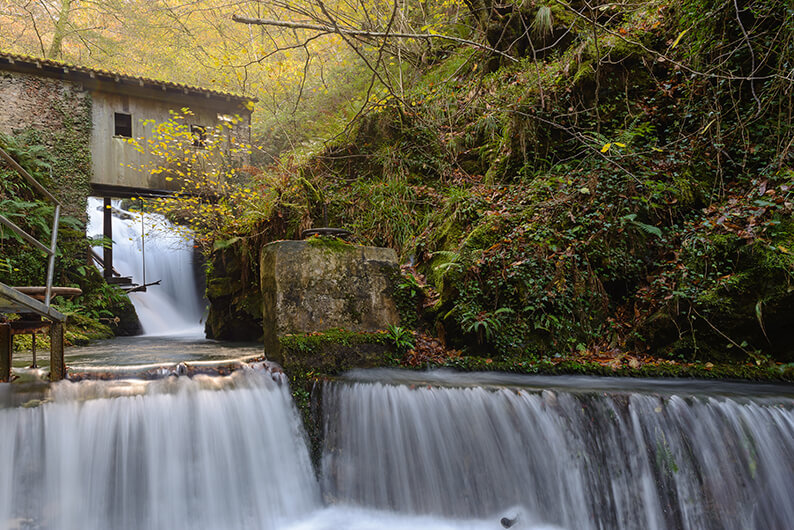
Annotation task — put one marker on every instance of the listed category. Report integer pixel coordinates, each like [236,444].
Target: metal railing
[50,251]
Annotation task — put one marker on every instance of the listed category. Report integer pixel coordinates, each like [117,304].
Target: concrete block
[320,284]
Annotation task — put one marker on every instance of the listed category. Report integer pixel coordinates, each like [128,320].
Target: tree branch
[361,33]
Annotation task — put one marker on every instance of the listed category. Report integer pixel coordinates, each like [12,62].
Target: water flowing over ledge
[402,450]
[203,453]
[583,459]
[175,305]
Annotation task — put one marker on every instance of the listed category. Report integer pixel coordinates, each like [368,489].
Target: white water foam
[174,307]
[206,453]
[229,453]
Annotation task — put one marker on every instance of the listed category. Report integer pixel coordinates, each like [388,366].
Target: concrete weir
[321,284]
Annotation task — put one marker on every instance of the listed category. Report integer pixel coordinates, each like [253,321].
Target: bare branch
[367,34]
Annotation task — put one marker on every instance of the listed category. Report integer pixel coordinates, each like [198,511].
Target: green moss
[233,291]
[89,327]
[310,357]
[734,371]
[317,342]
[217,287]
[79,331]
[330,244]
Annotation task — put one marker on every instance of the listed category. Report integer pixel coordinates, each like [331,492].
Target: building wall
[55,113]
[116,161]
[77,123]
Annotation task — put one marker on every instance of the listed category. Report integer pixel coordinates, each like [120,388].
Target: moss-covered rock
[233,292]
[308,358]
[321,284]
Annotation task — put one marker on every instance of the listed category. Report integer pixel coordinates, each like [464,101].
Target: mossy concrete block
[317,285]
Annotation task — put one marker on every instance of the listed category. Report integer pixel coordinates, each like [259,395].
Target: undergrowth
[629,189]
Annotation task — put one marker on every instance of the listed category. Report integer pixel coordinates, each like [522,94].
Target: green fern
[649,229]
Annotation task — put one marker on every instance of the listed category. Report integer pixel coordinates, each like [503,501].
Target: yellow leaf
[620,144]
[606,147]
[678,39]
[783,249]
[706,128]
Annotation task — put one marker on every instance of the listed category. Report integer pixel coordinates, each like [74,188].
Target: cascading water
[174,306]
[228,453]
[207,453]
[579,460]
[204,453]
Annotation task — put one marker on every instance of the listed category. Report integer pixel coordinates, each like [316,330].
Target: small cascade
[174,306]
[206,453]
[228,452]
[580,460]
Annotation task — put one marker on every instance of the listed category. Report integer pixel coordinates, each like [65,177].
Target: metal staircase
[30,309]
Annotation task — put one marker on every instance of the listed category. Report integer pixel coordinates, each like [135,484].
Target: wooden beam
[107,211]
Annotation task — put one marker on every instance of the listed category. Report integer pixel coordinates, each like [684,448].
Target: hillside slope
[624,186]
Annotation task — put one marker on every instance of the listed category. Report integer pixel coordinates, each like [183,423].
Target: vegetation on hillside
[95,314]
[626,190]
[561,178]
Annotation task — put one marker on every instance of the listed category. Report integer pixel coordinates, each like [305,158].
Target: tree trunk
[60,30]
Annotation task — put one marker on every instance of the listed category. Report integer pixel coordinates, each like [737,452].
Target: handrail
[24,235]
[33,182]
[29,238]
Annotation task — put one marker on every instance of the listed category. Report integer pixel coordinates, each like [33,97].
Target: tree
[210,165]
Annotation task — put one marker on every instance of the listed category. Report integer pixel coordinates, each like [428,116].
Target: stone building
[86,116]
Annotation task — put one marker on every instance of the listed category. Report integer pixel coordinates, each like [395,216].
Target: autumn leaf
[678,39]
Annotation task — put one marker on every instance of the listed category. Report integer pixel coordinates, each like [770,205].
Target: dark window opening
[199,136]
[123,124]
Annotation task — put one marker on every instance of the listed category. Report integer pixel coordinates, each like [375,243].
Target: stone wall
[55,113]
[320,284]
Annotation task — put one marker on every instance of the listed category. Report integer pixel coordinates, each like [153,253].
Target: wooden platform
[14,301]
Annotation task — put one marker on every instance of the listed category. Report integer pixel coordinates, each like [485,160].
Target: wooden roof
[109,81]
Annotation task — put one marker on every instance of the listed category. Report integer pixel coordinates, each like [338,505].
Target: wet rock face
[233,294]
[318,284]
[128,323]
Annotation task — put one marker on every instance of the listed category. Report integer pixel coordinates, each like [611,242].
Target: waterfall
[205,453]
[201,453]
[608,460]
[174,306]
[229,453]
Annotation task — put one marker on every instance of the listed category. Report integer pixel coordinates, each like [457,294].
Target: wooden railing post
[57,364]
[6,347]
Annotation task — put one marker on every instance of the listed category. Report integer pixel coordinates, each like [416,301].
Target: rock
[233,292]
[322,284]
[508,522]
